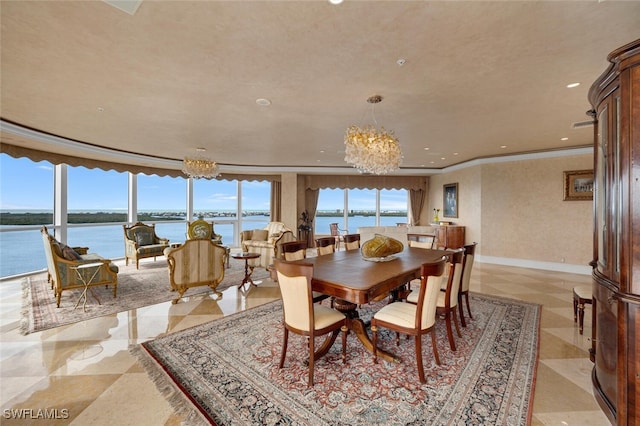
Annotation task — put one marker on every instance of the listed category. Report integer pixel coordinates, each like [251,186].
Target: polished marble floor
[84,374]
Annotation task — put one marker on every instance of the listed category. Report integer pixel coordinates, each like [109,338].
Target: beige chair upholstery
[141,241]
[325,245]
[422,241]
[297,250]
[195,263]
[266,242]
[302,316]
[62,261]
[351,241]
[467,266]
[413,319]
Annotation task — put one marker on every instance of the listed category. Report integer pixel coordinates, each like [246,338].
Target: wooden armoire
[615,98]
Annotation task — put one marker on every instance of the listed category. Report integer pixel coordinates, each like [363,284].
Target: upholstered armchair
[202,229]
[266,241]
[141,241]
[62,264]
[195,263]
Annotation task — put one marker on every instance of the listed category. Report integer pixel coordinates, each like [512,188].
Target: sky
[27,185]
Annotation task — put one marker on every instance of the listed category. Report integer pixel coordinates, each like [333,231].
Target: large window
[255,204]
[26,203]
[217,201]
[364,207]
[163,200]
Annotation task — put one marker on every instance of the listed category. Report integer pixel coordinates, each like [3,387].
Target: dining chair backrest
[422,244]
[455,273]
[294,250]
[431,276]
[325,245]
[467,266]
[351,241]
[294,280]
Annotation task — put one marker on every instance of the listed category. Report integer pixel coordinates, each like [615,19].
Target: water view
[21,251]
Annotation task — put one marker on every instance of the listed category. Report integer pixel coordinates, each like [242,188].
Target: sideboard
[449,236]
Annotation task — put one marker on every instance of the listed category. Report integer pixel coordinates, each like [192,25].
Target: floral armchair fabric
[141,241]
[266,241]
[195,263]
[63,260]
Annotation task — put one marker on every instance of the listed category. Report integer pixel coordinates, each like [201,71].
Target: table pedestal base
[355,324]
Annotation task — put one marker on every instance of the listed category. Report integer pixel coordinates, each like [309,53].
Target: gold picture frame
[578,185]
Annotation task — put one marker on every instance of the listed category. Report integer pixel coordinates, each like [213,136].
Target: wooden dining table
[355,281]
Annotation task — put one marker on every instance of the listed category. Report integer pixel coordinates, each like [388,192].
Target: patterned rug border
[29,323]
[193,414]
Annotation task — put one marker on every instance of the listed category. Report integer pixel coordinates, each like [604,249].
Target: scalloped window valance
[366,182]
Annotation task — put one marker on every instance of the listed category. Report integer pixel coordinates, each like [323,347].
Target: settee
[62,264]
[265,241]
[141,241]
[197,262]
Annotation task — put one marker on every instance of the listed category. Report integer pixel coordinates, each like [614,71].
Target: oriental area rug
[225,372]
[136,288]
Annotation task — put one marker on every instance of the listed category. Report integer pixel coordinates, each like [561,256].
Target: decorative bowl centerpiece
[381,248]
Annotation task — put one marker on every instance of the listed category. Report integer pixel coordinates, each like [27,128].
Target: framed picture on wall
[450,199]
[578,185]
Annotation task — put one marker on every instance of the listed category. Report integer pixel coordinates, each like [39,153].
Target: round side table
[248,270]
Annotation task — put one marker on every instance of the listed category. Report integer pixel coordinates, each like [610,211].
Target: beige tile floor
[85,370]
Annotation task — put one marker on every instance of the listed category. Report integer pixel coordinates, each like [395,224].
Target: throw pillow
[259,235]
[69,253]
[144,238]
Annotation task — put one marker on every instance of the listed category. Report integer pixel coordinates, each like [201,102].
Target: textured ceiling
[177,75]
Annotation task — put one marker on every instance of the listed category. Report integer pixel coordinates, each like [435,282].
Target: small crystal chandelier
[199,167]
[371,150]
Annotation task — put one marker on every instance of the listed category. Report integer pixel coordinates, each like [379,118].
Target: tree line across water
[99,217]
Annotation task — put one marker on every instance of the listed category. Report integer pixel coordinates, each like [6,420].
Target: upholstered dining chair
[325,245]
[426,242]
[413,319]
[447,304]
[351,241]
[297,250]
[467,266]
[294,250]
[302,316]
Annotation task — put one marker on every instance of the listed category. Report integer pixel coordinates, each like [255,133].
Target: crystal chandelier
[199,167]
[371,150]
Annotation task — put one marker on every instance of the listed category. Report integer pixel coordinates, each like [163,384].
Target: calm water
[22,251]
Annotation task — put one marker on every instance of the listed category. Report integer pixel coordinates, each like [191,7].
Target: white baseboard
[536,264]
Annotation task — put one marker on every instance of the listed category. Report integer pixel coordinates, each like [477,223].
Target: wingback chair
[195,263]
[63,260]
[141,241]
[265,241]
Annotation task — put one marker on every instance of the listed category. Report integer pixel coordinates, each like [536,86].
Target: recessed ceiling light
[572,85]
[426,148]
[100,109]
[431,162]
[503,146]
[201,149]
[455,153]
[564,139]
[322,151]
[401,62]
[443,158]
[263,102]
[335,1]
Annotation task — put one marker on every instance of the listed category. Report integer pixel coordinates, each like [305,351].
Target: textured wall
[516,209]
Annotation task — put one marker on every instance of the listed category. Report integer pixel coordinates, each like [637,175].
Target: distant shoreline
[39,218]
